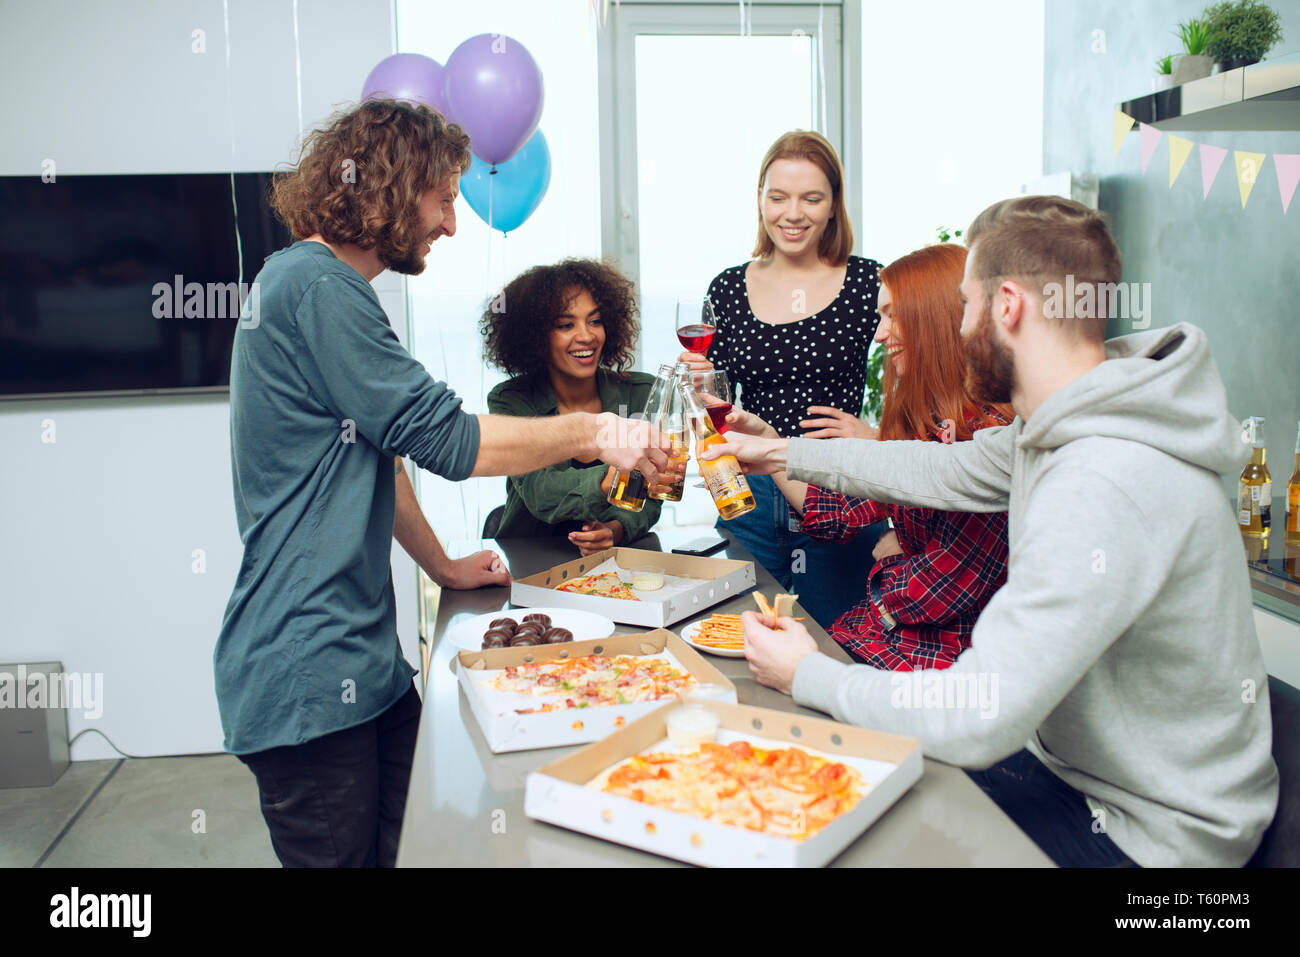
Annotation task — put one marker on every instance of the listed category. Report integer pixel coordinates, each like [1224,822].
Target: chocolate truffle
[524,639]
[538,617]
[504,634]
[531,627]
[508,623]
[494,641]
[554,636]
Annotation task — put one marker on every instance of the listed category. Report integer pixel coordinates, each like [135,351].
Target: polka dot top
[818,360]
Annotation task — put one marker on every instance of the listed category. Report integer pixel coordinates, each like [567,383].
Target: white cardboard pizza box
[558,792]
[692,584]
[507,731]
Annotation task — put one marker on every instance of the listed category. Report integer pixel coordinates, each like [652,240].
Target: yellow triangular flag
[1179,150]
[1248,168]
[1123,126]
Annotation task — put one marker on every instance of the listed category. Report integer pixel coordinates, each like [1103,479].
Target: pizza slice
[607,585]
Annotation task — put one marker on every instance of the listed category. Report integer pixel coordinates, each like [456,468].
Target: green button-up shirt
[552,501]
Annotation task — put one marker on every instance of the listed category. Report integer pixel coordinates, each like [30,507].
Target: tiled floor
[140,812]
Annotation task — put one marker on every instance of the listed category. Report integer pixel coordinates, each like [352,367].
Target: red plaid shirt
[951,565]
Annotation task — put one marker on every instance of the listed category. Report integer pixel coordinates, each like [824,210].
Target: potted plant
[1242,32]
[1164,77]
[1194,63]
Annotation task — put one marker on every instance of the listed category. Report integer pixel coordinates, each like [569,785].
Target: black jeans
[338,800]
[1054,815]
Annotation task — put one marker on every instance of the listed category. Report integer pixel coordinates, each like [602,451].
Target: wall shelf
[1262,96]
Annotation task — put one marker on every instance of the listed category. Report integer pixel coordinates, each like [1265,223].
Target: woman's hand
[749,424]
[886,545]
[834,424]
[596,536]
[697,362]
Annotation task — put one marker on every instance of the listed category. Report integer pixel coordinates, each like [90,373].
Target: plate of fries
[724,635]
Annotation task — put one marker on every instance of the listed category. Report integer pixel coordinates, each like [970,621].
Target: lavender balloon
[411,77]
[494,86]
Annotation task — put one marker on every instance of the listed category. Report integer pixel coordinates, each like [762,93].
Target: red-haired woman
[936,570]
[794,329]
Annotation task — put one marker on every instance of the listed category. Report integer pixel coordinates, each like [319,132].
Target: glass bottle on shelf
[1292,523]
[1255,489]
[723,477]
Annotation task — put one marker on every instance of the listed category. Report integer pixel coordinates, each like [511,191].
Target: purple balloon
[410,77]
[494,85]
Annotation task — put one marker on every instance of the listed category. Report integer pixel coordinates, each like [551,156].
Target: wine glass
[696,324]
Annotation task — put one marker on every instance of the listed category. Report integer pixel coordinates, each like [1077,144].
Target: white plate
[689,632]
[468,634]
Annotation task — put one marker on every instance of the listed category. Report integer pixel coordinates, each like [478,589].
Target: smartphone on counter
[701,546]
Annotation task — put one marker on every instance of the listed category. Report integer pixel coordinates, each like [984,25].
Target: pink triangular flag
[1150,139]
[1288,175]
[1211,160]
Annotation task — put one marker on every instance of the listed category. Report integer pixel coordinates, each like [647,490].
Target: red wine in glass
[696,337]
[718,414]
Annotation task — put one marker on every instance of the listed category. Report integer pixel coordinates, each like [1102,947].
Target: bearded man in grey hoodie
[1129,718]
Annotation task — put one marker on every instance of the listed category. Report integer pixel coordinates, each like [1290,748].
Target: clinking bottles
[725,481]
[671,423]
[1255,489]
[629,489]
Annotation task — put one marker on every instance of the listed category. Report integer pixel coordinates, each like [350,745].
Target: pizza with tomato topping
[593,681]
[607,585]
[785,792]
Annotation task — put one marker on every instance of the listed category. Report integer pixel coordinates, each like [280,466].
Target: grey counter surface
[465,806]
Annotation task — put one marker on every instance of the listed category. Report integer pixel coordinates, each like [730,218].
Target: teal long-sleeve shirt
[555,500]
[322,398]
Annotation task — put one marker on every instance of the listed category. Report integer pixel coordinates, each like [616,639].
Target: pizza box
[506,731]
[714,580]
[558,792]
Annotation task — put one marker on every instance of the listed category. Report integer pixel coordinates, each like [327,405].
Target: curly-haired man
[314,693]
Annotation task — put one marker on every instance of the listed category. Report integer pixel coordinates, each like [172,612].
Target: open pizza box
[691,584]
[506,730]
[559,793]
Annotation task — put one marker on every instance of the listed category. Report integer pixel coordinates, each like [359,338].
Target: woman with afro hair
[567,335]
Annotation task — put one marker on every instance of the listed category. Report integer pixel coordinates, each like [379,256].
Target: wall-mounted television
[99,274]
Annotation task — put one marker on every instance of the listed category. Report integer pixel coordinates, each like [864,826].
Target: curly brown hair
[517,323]
[359,178]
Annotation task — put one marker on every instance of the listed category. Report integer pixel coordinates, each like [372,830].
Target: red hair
[926,316]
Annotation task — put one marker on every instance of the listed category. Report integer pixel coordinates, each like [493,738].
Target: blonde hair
[837,241]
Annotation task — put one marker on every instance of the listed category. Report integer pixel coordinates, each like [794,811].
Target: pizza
[593,681]
[607,585]
[784,792]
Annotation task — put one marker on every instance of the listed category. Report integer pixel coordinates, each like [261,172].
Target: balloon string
[230,113]
[297,63]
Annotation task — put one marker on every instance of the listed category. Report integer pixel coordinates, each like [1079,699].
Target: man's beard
[990,366]
[402,252]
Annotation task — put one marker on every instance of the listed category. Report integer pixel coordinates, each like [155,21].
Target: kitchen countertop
[465,806]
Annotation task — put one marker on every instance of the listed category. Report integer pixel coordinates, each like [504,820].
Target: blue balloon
[517,186]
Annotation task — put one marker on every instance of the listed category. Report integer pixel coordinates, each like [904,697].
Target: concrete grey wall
[98,527]
[1233,272]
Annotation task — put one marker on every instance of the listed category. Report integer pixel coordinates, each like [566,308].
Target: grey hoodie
[1122,649]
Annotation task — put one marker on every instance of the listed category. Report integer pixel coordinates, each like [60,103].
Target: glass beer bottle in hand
[671,422]
[629,489]
[723,478]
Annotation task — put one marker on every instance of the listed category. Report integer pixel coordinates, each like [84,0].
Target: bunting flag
[1179,150]
[1248,167]
[1288,175]
[1150,137]
[1211,160]
[1123,124]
